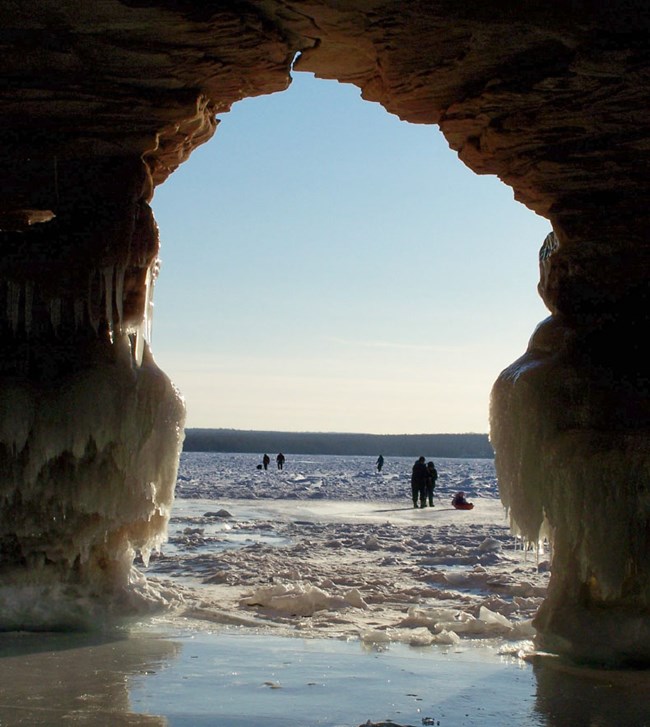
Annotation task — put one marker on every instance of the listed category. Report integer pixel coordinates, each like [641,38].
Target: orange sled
[466,506]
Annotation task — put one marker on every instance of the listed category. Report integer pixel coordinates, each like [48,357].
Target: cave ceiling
[554,102]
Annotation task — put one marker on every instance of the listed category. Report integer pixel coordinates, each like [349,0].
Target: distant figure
[280,460]
[266,461]
[431,482]
[419,478]
[380,462]
[460,503]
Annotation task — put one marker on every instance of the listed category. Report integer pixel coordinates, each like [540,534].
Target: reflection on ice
[572,695]
[58,678]
[187,678]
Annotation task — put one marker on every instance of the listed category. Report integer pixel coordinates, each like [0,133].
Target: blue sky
[328,267]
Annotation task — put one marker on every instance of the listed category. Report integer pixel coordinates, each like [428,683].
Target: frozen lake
[317,595]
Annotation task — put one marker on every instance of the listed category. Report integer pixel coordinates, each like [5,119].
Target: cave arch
[100,107]
[355,242]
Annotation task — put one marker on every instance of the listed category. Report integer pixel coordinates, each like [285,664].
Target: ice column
[570,424]
[90,428]
[88,471]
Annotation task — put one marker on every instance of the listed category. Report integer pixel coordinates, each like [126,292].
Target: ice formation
[88,458]
[572,462]
[302,600]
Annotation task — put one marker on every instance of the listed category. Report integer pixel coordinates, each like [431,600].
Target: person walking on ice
[280,460]
[380,462]
[419,477]
[431,482]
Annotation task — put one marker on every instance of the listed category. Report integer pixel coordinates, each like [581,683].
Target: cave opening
[554,104]
[330,267]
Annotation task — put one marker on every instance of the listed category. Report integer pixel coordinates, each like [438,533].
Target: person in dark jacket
[431,482]
[380,462]
[280,460]
[266,461]
[419,478]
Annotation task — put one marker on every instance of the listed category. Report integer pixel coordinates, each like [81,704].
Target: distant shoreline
[470,445]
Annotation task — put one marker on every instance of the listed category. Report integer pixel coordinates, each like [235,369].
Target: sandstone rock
[101,102]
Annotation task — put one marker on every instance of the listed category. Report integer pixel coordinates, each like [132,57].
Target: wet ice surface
[284,682]
[181,677]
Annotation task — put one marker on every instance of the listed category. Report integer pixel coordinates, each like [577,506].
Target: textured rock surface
[102,101]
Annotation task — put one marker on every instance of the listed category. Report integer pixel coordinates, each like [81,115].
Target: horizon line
[306,431]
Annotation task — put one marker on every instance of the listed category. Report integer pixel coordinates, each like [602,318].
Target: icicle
[56,180]
[55,313]
[92,316]
[139,344]
[29,306]
[120,272]
[142,331]
[78,307]
[154,270]
[107,274]
[13,304]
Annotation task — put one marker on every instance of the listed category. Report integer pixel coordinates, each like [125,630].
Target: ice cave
[101,102]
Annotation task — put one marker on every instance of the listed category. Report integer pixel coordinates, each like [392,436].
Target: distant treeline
[390,445]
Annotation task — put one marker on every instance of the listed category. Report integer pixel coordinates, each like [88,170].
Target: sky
[327,267]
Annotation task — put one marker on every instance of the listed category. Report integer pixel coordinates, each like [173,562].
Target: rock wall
[102,101]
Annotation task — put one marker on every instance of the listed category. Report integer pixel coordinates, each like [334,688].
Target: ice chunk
[490,545]
[420,637]
[354,598]
[296,599]
[375,636]
[491,617]
[446,637]
[372,543]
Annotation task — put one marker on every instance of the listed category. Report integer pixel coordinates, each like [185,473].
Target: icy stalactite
[101,306]
[120,272]
[107,279]
[29,306]
[13,304]
[93,297]
[111,292]
[55,306]
[573,469]
[88,469]
[143,332]
[78,308]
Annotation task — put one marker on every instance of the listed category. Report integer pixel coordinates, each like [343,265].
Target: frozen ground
[317,596]
[329,547]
